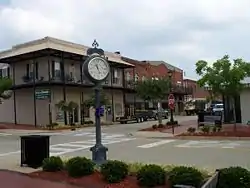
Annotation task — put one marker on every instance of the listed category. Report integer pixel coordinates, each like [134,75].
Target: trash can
[34,149]
[200,118]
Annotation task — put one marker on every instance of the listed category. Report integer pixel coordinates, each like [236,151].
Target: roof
[146,69]
[56,44]
[170,67]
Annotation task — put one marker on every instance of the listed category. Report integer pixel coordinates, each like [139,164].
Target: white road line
[208,144]
[154,144]
[5,134]
[9,153]
[60,149]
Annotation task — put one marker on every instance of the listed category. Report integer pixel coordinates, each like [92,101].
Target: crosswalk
[60,149]
[198,144]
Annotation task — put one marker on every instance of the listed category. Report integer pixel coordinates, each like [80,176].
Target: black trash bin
[34,149]
[200,117]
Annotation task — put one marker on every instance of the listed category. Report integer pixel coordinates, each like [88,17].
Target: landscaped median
[217,131]
[83,172]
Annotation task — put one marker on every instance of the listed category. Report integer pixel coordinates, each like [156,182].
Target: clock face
[98,68]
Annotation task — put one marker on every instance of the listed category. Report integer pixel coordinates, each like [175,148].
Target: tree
[67,107]
[103,100]
[153,90]
[5,87]
[223,77]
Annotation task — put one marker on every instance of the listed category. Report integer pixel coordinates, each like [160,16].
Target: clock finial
[95,49]
[95,44]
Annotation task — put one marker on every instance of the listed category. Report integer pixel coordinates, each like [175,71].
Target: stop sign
[171,101]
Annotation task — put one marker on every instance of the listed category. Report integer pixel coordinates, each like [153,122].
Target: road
[210,154]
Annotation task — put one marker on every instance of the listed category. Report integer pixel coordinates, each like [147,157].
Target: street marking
[5,134]
[9,153]
[69,147]
[208,144]
[154,144]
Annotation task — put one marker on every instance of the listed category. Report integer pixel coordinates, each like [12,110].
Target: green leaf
[153,90]
[223,76]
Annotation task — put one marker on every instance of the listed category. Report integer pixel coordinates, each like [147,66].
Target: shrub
[114,171]
[52,125]
[172,123]
[160,126]
[214,129]
[205,129]
[52,164]
[183,175]
[191,129]
[80,166]
[88,122]
[151,175]
[154,126]
[233,177]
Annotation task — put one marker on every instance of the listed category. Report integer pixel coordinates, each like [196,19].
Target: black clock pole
[99,151]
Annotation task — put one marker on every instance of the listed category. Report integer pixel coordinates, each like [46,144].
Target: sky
[179,32]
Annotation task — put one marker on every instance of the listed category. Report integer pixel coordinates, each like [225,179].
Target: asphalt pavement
[209,154]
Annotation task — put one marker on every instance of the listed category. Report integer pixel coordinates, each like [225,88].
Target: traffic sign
[171,101]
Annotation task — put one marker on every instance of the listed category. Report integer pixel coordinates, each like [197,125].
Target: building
[47,71]
[198,92]
[148,70]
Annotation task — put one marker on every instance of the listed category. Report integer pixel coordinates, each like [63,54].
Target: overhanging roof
[56,44]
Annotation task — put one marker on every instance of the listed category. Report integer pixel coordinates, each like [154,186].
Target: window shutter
[53,69]
[27,70]
[36,68]
[8,72]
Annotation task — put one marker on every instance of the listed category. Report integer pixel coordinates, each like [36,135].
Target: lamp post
[97,69]
[171,109]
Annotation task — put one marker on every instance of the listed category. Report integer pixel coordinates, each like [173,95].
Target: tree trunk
[234,114]
[159,113]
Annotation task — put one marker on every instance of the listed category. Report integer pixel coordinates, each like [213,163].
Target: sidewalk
[10,179]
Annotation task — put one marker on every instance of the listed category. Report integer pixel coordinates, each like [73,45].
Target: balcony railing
[176,88]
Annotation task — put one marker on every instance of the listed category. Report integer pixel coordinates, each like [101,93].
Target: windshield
[218,106]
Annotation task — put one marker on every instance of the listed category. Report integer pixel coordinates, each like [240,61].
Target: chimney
[117,52]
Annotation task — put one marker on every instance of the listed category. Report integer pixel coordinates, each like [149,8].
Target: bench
[210,119]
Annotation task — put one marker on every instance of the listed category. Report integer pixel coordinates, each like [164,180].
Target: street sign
[171,101]
[42,94]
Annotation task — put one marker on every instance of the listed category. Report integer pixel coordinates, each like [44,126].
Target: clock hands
[98,68]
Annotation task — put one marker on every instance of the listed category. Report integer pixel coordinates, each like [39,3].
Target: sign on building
[42,94]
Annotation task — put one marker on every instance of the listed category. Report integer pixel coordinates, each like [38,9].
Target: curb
[209,138]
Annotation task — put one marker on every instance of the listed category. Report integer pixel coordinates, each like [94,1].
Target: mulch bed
[92,181]
[219,134]
[166,127]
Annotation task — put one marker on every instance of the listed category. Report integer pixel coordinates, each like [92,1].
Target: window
[5,71]
[128,77]
[85,111]
[56,69]
[136,77]
[115,79]
[32,70]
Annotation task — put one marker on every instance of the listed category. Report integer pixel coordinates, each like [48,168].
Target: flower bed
[161,127]
[215,131]
[82,172]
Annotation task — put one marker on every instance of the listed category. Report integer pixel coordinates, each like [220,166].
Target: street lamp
[171,109]
[97,69]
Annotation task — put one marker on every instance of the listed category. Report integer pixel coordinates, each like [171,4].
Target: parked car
[218,108]
[164,113]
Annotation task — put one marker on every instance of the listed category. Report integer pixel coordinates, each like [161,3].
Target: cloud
[179,32]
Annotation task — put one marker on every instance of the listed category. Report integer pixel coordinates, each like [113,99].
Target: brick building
[153,70]
[198,92]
